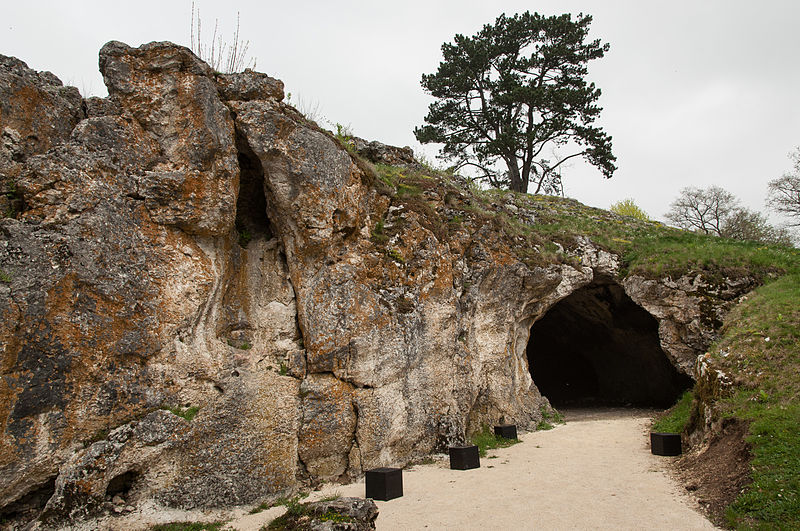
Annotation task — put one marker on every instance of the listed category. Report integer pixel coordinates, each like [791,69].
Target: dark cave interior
[251,204]
[597,347]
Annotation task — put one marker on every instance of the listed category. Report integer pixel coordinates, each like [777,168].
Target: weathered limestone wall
[140,279]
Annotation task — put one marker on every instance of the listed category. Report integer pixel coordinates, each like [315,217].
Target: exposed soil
[717,473]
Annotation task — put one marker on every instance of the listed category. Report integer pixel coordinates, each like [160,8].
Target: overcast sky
[695,93]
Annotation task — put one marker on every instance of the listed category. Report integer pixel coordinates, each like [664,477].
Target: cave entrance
[251,204]
[597,347]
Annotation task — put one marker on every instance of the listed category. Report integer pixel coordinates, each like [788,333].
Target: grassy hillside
[760,352]
[542,229]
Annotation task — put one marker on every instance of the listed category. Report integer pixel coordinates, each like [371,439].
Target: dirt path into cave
[594,472]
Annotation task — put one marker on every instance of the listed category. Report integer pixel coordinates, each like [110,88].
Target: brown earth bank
[716,473]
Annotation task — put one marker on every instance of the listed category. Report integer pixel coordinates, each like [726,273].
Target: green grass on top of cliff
[543,229]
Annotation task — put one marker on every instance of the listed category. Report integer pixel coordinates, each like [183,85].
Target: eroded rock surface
[192,243]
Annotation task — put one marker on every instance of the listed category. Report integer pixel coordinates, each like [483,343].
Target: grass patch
[99,435]
[773,499]
[675,419]
[5,278]
[261,508]
[241,345]
[244,237]
[487,440]
[333,516]
[552,415]
[428,460]
[549,417]
[377,235]
[185,413]
[395,255]
[293,502]
[676,252]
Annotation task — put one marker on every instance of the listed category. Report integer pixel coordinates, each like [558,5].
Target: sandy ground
[594,472]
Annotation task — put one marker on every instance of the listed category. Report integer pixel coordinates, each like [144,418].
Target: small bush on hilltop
[627,207]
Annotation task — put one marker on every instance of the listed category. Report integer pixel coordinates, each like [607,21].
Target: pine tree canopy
[516,93]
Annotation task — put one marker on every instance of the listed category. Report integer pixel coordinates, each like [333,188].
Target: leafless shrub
[220,55]
[702,209]
[310,109]
[784,192]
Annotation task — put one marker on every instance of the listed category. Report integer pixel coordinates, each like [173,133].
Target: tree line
[716,211]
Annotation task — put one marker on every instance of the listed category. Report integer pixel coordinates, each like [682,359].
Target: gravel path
[594,472]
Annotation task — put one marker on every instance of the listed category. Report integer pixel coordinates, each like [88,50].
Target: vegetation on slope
[543,229]
[676,418]
[759,353]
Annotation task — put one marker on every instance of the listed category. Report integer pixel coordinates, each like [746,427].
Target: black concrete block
[665,443]
[464,457]
[384,483]
[506,431]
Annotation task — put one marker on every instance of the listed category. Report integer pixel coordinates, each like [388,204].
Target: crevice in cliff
[355,458]
[598,347]
[122,484]
[251,204]
[29,505]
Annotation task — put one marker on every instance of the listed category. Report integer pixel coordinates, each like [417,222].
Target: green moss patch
[487,440]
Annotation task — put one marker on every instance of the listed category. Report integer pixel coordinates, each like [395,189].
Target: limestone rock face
[249,85]
[327,426]
[381,153]
[689,311]
[193,244]
[128,293]
[36,111]
[172,95]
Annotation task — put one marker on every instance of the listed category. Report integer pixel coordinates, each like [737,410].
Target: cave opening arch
[597,347]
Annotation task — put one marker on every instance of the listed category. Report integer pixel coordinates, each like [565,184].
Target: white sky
[695,93]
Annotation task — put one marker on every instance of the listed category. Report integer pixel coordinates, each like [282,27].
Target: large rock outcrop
[191,243]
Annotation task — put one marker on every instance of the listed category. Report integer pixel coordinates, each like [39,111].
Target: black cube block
[665,443]
[384,483]
[506,431]
[464,457]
